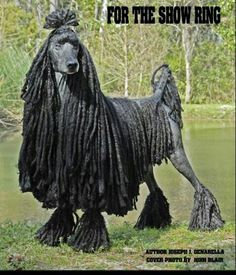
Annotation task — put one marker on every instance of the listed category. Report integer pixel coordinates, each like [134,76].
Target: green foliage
[18,27]
[124,55]
[214,82]
[87,21]
[14,63]
[227,27]
[175,59]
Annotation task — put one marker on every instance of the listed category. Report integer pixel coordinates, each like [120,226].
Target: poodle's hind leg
[155,213]
[206,212]
[59,227]
[91,233]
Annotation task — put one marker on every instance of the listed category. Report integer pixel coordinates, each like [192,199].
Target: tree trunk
[103,15]
[17,3]
[140,79]
[39,13]
[186,41]
[188,91]
[53,5]
[126,62]
[29,5]
[96,10]
[101,31]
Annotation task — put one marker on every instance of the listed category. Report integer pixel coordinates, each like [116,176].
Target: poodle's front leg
[60,225]
[91,233]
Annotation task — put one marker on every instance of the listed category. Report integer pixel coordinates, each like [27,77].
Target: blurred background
[200,56]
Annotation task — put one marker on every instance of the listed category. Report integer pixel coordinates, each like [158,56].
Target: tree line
[200,56]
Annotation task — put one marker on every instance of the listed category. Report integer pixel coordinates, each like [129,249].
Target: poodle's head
[64,43]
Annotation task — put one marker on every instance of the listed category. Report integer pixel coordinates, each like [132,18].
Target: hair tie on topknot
[59,18]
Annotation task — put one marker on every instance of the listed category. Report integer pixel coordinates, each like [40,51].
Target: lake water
[210,147]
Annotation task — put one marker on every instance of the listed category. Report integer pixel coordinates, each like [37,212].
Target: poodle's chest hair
[61,85]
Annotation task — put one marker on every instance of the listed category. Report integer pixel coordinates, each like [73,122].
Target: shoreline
[9,120]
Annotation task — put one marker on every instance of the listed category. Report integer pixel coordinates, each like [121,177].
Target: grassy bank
[19,250]
[208,111]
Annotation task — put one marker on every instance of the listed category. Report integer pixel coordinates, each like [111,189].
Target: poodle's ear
[83,58]
[88,68]
[81,51]
[37,75]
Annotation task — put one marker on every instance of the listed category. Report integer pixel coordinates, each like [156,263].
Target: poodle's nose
[72,65]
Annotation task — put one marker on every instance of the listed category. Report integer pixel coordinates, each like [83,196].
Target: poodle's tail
[166,91]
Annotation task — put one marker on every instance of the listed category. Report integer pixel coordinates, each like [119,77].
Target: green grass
[19,250]
[208,111]
[14,64]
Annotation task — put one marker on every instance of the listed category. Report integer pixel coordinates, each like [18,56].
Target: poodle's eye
[57,46]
